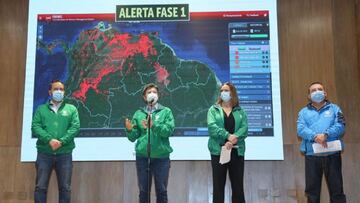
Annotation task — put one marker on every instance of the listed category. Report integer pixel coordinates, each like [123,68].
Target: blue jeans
[159,168]
[315,167]
[45,163]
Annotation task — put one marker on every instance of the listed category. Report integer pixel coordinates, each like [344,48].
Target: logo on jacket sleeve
[341,118]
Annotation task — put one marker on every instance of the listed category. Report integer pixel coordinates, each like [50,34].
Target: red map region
[122,46]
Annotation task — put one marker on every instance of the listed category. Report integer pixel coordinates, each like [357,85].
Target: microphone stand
[149,152]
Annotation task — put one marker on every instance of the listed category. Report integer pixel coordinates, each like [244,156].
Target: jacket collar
[50,103]
[217,106]
[310,106]
[157,106]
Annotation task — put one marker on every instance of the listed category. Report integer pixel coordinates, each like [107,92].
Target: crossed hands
[232,140]
[321,139]
[55,144]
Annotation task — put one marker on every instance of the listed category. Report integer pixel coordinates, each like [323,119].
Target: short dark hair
[315,83]
[55,81]
[148,86]
[234,96]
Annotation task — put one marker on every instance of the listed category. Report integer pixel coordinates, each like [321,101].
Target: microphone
[151,101]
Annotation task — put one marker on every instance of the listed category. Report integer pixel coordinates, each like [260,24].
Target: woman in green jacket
[228,127]
[160,126]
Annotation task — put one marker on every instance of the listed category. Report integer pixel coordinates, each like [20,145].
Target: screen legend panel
[250,72]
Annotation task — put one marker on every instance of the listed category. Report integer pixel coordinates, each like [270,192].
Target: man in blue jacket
[321,122]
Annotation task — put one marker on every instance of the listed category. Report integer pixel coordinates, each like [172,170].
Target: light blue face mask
[58,95]
[317,96]
[225,96]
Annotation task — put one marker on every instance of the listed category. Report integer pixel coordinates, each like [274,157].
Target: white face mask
[152,98]
[225,96]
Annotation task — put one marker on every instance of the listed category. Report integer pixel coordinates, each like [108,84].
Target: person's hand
[324,144]
[321,139]
[233,139]
[228,145]
[128,124]
[55,144]
[145,122]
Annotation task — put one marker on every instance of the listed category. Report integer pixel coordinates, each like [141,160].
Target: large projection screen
[104,64]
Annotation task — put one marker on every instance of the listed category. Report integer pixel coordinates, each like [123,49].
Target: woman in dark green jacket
[161,127]
[228,127]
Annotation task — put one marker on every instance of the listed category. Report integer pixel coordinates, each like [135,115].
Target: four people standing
[56,123]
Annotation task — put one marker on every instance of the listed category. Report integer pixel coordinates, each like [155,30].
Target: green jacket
[163,126]
[217,133]
[63,126]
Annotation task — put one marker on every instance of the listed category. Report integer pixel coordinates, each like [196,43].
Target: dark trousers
[315,167]
[45,163]
[236,175]
[159,168]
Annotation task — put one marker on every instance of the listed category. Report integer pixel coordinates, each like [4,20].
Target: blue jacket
[328,120]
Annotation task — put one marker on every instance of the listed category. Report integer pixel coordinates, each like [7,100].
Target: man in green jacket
[160,128]
[55,124]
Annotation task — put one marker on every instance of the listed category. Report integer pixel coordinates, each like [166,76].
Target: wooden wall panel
[13,30]
[130,183]
[199,181]
[179,181]
[346,65]
[97,181]
[306,53]
[351,168]
[319,40]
